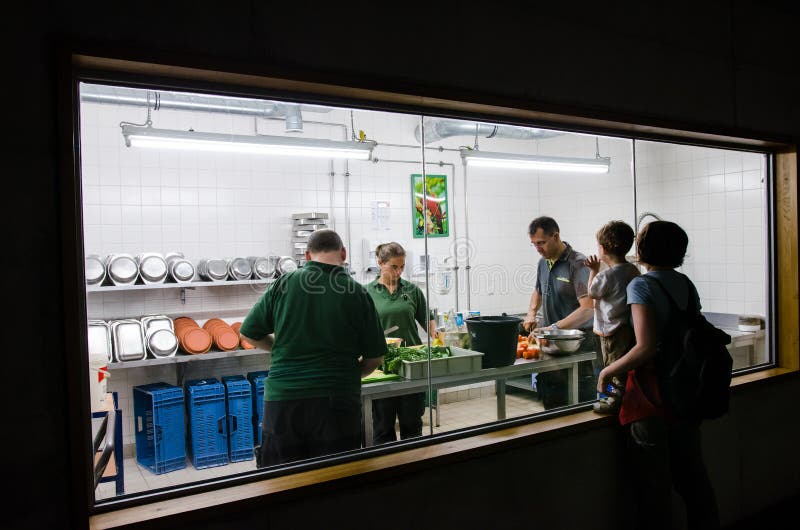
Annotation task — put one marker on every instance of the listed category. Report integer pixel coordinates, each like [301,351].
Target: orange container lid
[235,326]
[246,345]
[212,323]
[184,321]
[226,339]
[196,341]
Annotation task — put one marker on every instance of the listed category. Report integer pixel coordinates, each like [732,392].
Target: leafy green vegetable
[394,357]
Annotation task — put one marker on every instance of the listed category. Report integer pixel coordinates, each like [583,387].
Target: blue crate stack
[159,425]
[208,432]
[257,380]
[240,414]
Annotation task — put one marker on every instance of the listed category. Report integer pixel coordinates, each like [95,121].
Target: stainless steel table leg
[366,407]
[572,383]
[500,390]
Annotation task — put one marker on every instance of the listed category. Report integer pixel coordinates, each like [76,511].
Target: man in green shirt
[326,337]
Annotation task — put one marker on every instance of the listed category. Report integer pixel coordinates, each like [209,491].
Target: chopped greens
[394,357]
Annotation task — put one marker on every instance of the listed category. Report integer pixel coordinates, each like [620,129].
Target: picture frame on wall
[438,223]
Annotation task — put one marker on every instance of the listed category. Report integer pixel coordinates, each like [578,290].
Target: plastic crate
[159,425]
[461,361]
[257,381]
[208,432]
[238,397]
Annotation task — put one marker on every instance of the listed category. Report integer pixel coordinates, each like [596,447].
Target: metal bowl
[559,341]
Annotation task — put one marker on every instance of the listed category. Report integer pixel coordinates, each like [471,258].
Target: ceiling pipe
[439,128]
[197,102]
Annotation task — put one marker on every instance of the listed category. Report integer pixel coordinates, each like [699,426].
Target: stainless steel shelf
[181,358]
[189,285]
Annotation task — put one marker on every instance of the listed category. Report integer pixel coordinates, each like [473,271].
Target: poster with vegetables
[435,223]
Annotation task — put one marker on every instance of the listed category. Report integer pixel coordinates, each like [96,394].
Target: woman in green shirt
[402,304]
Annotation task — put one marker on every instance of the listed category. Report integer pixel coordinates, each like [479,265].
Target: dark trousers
[663,456]
[298,429]
[407,409]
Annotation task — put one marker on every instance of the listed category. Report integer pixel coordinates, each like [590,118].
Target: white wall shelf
[184,358]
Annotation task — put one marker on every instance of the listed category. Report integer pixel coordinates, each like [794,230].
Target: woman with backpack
[664,447]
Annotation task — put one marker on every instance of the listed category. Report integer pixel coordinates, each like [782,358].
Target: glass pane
[719,197]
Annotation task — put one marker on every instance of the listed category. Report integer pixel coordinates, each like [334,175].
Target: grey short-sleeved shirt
[562,285]
[609,289]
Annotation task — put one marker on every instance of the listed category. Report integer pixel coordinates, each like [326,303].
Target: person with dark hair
[665,449]
[399,303]
[612,317]
[312,397]
[562,294]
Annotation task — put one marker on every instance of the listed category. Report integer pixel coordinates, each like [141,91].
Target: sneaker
[607,405]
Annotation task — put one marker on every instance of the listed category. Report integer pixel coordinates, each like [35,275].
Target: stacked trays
[238,397]
[243,343]
[160,432]
[208,437]
[191,337]
[257,380]
[304,224]
[224,337]
[159,336]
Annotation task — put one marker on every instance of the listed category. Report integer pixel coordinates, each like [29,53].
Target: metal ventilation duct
[204,103]
[438,128]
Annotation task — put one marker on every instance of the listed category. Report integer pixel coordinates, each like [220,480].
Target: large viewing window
[193,204]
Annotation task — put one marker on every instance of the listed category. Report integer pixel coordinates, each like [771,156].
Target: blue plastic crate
[257,381]
[159,427]
[208,432]
[238,395]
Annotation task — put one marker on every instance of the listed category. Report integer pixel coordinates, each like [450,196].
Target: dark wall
[712,65]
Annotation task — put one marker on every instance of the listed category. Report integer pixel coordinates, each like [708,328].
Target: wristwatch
[554,326]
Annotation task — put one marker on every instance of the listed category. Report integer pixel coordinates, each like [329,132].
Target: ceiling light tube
[474,158]
[136,136]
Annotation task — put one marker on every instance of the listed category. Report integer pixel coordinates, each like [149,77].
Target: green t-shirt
[323,322]
[404,307]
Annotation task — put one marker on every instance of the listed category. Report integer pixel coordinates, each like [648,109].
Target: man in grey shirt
[562,294]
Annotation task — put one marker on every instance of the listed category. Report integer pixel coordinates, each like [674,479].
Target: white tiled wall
[718,196]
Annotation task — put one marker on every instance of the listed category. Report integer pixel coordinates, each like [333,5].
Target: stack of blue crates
[257,380]
[160,432]
[240,413]
[208,432]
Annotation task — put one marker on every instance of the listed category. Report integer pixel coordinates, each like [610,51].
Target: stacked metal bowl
[559,341]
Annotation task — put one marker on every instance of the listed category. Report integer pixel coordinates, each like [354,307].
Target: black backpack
[694,366]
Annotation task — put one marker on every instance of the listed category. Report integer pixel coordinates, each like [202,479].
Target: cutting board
[378,376]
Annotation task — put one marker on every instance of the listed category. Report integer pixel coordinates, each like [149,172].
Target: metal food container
[262,266]
[559,341]
[122,269]
[285,265]
[99,339]
[160,336]
[95,269]
[152,267]
[214,269]
[239,269]
[127,339]
[179,268]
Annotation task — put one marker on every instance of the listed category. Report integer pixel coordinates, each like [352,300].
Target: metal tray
[99,339]
[460,362]
[127,338]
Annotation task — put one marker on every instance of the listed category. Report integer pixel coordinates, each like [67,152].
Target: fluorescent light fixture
[136,136]
[475,158]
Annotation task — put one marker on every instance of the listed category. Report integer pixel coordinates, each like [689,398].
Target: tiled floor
[452,416]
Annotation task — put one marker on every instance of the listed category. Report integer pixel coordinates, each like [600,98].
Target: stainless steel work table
[521,367]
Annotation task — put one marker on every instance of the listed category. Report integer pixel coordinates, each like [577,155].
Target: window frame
[75,68]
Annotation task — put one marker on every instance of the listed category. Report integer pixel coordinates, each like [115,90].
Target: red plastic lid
[226,339]
[196,341]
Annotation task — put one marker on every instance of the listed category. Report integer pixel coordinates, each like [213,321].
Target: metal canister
[262,266]
[128,340]
[95,269]
[152,267]
[99,339]
[179,268]
[122,269]
[285,265]
[159,336]
[239,269]
[214,269]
